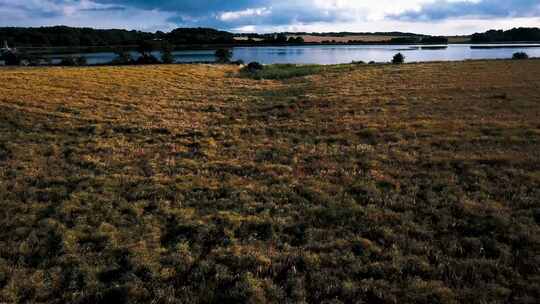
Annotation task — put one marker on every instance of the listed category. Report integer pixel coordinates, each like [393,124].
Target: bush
[223,55]
[122,58]
[398,59]
[145,48]
[147,59]
[254,66]
[434,40]
[81,60]
[11,58]
[520,56]
[166,53]
[238,62]
[73,61]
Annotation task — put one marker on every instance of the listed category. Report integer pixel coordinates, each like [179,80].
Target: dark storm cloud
[194,8]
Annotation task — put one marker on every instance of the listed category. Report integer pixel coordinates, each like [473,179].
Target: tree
[281,38]
[520,56]
[11,58]
[254,66]
[122,58]
[434,40]
[145,48]
[298,40]
[81,60]
[166,53]
[223,55]
[73,61]
[398,59]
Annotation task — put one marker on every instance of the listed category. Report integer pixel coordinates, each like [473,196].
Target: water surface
[335,54]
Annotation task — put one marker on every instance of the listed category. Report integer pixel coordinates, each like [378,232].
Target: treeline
[63,36]
[59,36]
[514,35]
[422,40]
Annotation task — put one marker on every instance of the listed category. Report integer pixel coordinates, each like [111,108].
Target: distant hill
[199,36]
[63,36]
[521,34]
[57,36]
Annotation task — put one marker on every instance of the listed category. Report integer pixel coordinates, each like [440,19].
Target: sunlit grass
[196,184]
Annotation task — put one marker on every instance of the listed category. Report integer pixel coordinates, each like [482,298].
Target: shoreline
[200,63]
[62,50]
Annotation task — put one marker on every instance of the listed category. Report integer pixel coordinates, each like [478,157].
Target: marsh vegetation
[415,183]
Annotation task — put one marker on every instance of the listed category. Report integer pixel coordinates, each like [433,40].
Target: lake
[335,54]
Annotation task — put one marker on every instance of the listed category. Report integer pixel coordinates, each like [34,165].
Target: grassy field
[417,183]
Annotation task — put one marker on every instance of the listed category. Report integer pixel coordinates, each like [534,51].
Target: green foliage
[199,36]
[62,36]
[520,56]
[296,40]
[11,58]
[405,40]
[73,61]
[167,56]
[398,59]
[122,57]
[145,48]
[223,55]
[513,35]
[254,67]
[434,40]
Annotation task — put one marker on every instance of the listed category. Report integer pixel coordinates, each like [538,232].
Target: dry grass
[191,184]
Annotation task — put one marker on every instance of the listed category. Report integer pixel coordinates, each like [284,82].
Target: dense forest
[513,35]
[61,36]
[69,36]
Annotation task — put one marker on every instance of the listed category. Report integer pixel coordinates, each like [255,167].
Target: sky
[437,17]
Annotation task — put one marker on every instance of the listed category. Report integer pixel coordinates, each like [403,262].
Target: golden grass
[191,183]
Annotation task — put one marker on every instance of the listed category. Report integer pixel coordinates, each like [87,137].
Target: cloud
[80,14]
[444,9]
[273,15]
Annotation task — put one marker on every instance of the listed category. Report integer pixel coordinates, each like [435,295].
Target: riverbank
[193,183]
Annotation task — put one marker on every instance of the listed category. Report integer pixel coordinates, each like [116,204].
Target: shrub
[122,58]
[254,66]
[166,53]
[145,48]
[398,59]
[81,60]
[223,55]
[238,62]
[147,59]
[520,56]
[73,61]
[434,40]
[11,58]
